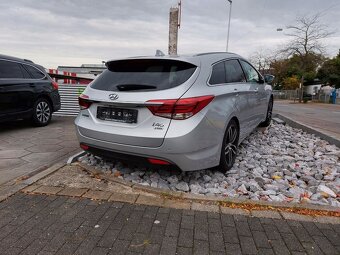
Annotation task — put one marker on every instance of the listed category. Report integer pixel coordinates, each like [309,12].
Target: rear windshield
[143,74]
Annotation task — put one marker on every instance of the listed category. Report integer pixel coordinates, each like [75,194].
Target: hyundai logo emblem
[113,96]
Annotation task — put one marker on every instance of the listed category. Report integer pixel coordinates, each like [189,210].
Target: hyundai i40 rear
[188,111]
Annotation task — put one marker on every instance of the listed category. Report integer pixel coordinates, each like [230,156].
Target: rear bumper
[55,97]
[196,150]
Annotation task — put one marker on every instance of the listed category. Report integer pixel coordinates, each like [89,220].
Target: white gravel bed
[280,164]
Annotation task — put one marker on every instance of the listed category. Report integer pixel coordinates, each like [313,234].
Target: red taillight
[84,103]
[55,85]
[84,147]
[158,161]
[180,109]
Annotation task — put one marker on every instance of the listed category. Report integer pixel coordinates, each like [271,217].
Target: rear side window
[11,70]
[143,75]
[234,71]
[35,73]
[218,74]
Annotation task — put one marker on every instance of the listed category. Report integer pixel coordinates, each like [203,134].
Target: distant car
[26,91]
[189,111]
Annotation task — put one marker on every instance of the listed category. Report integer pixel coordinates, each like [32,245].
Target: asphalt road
[323,117]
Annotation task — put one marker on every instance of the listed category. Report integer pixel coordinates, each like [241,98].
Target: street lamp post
[230,1]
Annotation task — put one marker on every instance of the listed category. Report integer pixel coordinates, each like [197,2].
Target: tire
[42,113]
[268,120]
[229,146]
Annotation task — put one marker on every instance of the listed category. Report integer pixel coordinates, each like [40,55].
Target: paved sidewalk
[25,149]
[322,117]
[40,224]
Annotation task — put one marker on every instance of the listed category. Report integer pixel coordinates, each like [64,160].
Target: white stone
[326,190]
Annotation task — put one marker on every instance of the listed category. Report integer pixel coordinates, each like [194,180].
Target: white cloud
[72,32]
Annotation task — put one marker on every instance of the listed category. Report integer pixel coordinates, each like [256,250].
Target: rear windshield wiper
[128,87]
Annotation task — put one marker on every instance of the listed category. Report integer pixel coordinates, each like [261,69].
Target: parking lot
[25,149]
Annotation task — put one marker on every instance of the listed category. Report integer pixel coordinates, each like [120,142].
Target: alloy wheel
[230,149]
[43,112]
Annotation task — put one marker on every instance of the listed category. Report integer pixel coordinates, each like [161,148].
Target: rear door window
[143,75]
[234,72]
[10,70]
[35,73]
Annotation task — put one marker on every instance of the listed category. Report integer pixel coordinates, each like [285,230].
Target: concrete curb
[319,133]
[7,191]
[75,157]
[235,203]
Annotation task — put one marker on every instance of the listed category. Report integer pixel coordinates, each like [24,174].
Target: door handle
[256,90]
[32,85]
[236,92]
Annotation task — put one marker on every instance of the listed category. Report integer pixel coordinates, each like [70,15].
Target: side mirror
[268,78]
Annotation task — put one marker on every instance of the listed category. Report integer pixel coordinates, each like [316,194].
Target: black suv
[26,91]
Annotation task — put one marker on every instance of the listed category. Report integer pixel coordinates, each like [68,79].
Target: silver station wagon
[187,111]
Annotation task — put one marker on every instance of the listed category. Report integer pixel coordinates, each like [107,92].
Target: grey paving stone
[291,242]
[120,247]
[261,239]
[201,232]
[332,236]
[201,247]
[169,245]
[215,225]
[325,245]
[279,247]
[264,251]
[186,238]
[227,220]
[187,222]
[100,251]
[152,249]
[216,242]
[175,215]
[230,235]
[172,228]
[109,237]
[67,248]
[272,232]
[243,228]
[247,245]
[183,251]
[311,248]
[138,243]
[233,249]
[157,234]
[282,226]
[255,224]
[39,224]
[301,234]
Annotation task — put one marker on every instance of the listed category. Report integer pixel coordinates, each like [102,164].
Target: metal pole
[230,1]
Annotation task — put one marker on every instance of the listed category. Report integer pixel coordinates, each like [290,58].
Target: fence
[320,97]
[286,94]
[69,99]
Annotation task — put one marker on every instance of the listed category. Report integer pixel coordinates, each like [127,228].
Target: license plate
[117,114]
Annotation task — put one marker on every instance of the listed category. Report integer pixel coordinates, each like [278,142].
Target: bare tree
[261,59]
[306,36]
